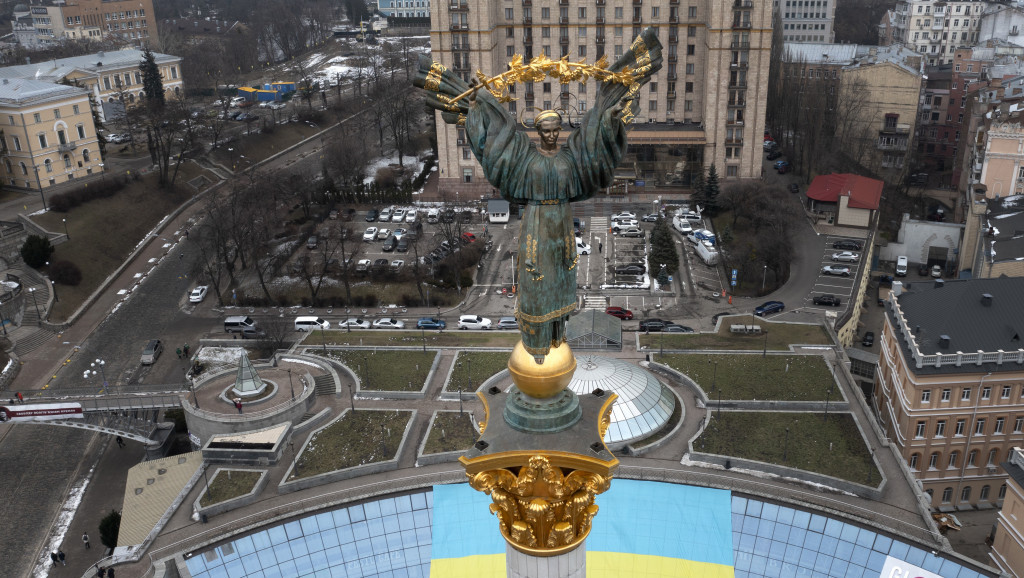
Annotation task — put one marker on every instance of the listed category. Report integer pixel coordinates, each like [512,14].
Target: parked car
[847,245]
[690,216]
[774,154]
[936,271]
[430,323]
[468,238]
[827,300]
[650,218]
[845,257]
[198,294]
[922,269]
[630,270]
[370,234]
[402,246]
[410,216]
[398,216]
[372,215]
[508,323]
[885,280]
[383,233]
[385,215]
[780,164]
[835,270]
[312,242]
[379,265]
[389,244]
[769,307]
[769,144]
[355,323]
[389,323]
[619,312]
[474,322]
[618,226]
[869,339]
[579,225]
[631,232]
[625,215]
[697,235]
[653,324]
[151,352]
[333,215]
[901,266]
[675,328]
[396,265]
[581,247]
[363,265]
[794,188]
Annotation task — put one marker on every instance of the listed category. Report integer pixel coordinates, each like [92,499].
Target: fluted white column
[569,565]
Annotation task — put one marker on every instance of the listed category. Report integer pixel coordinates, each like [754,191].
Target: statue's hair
[545,115]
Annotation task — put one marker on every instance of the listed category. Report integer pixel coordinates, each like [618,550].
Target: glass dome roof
[644,404]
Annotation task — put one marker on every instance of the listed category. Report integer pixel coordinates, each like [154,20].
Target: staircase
[596,302]
[29,336]
[324,384]
[305,416]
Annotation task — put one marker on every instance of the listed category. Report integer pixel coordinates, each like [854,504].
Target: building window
[983,495]
[48,165]
[24,169]
[979,427]
[952,459]
[56,113]
[17,143]
[42,141]
[466,154]
[965,494]
[920,430]
[946,393]
[38,117]
[467,175]
[1002,491]
[732,171]
[1006,392]
[85,155]
[692,12]
[965,395]
[947,495]
[926,396]
[174,72]
[972,457]
[691,49]
[10,119]
[106,82]
[960,423]
[67,161]
[74,109]
[933,461]
[992,457]
[913,461]
[1018,425]
[986,392]
[582,12]
[689,87]
[508,14]
[1000,425]
[940,428]
[652,106]
[618,14]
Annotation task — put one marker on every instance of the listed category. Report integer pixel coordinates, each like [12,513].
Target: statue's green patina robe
[546,266]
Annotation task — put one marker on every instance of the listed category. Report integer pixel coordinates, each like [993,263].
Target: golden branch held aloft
[540,67]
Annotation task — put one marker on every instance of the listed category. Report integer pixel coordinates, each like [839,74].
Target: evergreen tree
[110,525]
[152,83]
[698,188]
[663,248]
[36,251]
[711,190]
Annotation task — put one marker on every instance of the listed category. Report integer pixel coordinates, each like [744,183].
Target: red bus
[40,412]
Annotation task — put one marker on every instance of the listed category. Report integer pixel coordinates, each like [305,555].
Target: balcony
[637,2]
[458,7]
[599,38]
[733,141]
[671,94]
[673,19]
[637,18]
[563,2]
[564,95]
[898,129]
[673,37]
[599,20]
[738,65]
[741,103]
[460,26]
[743,4]
[673,57]
[600,2]
[673,1]
[527,2]
[737,85]
[741,25]
[741,45]
[67,147]
[528,40]
[563,20]
[938,24]
[527,20]
[563,40]
[734,122]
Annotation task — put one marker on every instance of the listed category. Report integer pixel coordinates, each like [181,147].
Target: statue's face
[548,130]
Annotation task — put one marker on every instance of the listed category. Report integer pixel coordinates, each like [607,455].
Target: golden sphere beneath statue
[546,379]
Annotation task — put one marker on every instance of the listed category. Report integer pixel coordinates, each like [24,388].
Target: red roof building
[851,199]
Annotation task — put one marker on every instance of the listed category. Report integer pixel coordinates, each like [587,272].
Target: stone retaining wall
[440,457]
[233,503]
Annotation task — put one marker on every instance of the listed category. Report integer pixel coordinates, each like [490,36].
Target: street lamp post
[295,462]
[764,352]
[764,278]
[366,360]
[460,401]
[32,292]
[192,388]
[208,497]
[65,221]
[40,184]
[290,384]
[828,396]
[323,338]
[423,335]
[98,364]
[785,447]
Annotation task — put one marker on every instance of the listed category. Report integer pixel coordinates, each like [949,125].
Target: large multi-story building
[705,106]
[404,8]
[1008,544]
[934,28]
[948,385]
[44,22]
[47,132]
[807,20]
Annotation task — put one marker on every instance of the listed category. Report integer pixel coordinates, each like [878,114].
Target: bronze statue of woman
[545,179]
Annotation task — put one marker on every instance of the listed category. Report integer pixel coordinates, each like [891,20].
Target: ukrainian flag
[643,529]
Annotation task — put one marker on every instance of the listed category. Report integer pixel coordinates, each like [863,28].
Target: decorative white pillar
[572,564]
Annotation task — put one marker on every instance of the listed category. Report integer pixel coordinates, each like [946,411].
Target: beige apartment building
[705,106]
[949,385]
[1008,544]
[39,23]
[47,132]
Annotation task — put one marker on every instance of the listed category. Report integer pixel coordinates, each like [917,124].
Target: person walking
[60,556]
[178,351]
[21,399]
[101,572]
[85,540]
[186,350]
[53,556]
[238,404]
[120,442]
[600,246]
[110,573]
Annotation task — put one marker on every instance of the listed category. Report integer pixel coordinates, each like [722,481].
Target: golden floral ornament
[542,511]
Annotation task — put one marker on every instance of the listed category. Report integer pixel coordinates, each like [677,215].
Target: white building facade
[935,28]
[807,20]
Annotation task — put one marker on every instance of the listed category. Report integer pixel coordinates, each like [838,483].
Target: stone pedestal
[572,564]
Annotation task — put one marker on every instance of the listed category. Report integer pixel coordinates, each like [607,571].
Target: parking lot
[837,284]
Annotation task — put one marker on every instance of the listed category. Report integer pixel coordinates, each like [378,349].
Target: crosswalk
[596,302]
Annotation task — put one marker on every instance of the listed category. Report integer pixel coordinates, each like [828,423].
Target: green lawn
[780,337]
[452,432]
[834,448]
[432,338]
[360,437]
[228,484]
[473,367]
[387,370]
[751,376]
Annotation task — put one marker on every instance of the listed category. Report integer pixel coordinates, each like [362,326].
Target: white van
[311,322]
[433,215]
[238,324]
[901,266]
[707,253]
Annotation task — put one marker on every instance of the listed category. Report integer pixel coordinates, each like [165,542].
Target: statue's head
[548,124]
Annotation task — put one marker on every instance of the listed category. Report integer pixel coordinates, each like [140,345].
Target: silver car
[845,257]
